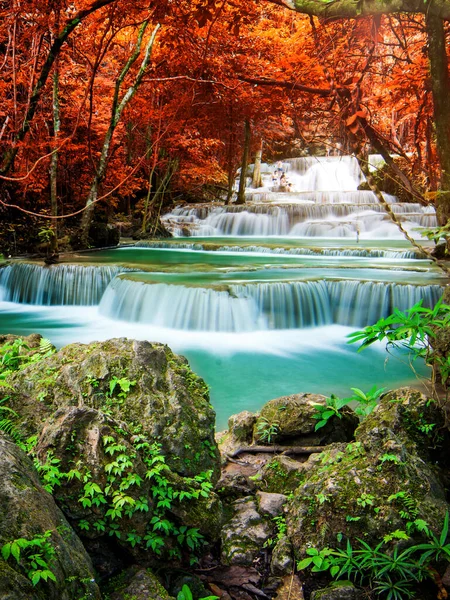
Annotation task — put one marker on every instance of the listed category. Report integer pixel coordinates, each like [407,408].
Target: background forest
[127,108]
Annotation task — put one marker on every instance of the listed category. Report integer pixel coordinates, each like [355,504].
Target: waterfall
[260,306]
[179,307]
[321,199]
[57,284]
[298,220]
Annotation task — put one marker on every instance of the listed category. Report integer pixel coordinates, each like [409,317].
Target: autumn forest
[114,109]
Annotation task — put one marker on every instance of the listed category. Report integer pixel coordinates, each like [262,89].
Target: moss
[280,476]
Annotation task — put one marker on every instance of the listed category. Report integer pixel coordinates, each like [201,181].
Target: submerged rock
[375,484]
[28,512]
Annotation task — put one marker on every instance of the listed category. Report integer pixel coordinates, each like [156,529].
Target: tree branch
[349,9]
[291,85]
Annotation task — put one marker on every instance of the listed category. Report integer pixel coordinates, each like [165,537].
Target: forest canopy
[122,108]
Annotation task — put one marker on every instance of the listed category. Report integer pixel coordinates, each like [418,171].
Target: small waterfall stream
[56,285]
[260,306]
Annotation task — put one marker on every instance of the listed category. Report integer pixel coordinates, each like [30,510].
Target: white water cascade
[259,306]
[323,201]
[56,285]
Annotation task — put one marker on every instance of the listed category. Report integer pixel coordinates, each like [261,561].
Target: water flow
[260,306]
[321,200]
[56,285]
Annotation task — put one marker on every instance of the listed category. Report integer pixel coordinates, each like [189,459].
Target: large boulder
[144,385]
[27,513]
[125,439]
[377,484]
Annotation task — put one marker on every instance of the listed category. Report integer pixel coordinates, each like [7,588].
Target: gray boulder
[373,486]
[28,512]
[244,535]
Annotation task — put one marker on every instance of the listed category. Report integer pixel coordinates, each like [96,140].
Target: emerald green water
[243,370]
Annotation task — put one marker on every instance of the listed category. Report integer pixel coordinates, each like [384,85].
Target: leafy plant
[411,330]
[186,594]
[333,408]
[267,431]
[392,573]
[366,401]
[33,556]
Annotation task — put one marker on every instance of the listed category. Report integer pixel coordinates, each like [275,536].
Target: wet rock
[368,485]
[234,485]
[281,474]
[28,512]
[240,432]
[244,535]
[270,504]
[282,562]
[289,420]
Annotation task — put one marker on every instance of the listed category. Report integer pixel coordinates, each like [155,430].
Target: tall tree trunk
[54,162]
[257,180]
[440,86]
[245,154]
[116,112]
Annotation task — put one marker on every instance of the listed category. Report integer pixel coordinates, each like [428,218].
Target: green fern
[46,347]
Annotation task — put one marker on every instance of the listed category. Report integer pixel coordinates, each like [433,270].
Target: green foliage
[121,499]
[186,594]
[331,409]
[392,573]
[122,384]
[267,431]
[411,330]
[33,556]
[365,403]
[14,356]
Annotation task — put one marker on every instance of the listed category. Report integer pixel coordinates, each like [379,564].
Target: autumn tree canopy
[128,107]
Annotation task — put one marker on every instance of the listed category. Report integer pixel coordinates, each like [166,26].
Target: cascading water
[260,306]
[261,313]
[323,201]
[56,285]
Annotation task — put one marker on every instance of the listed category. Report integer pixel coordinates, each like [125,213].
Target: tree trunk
[440,86]
[54,162]
[116,112]
[243,176]
[257,180]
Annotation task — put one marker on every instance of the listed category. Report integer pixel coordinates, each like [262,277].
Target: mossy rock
[28,511]
[280,475]
[339,590]
[163,400]
[363,489]
[291,420]
[138,584]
